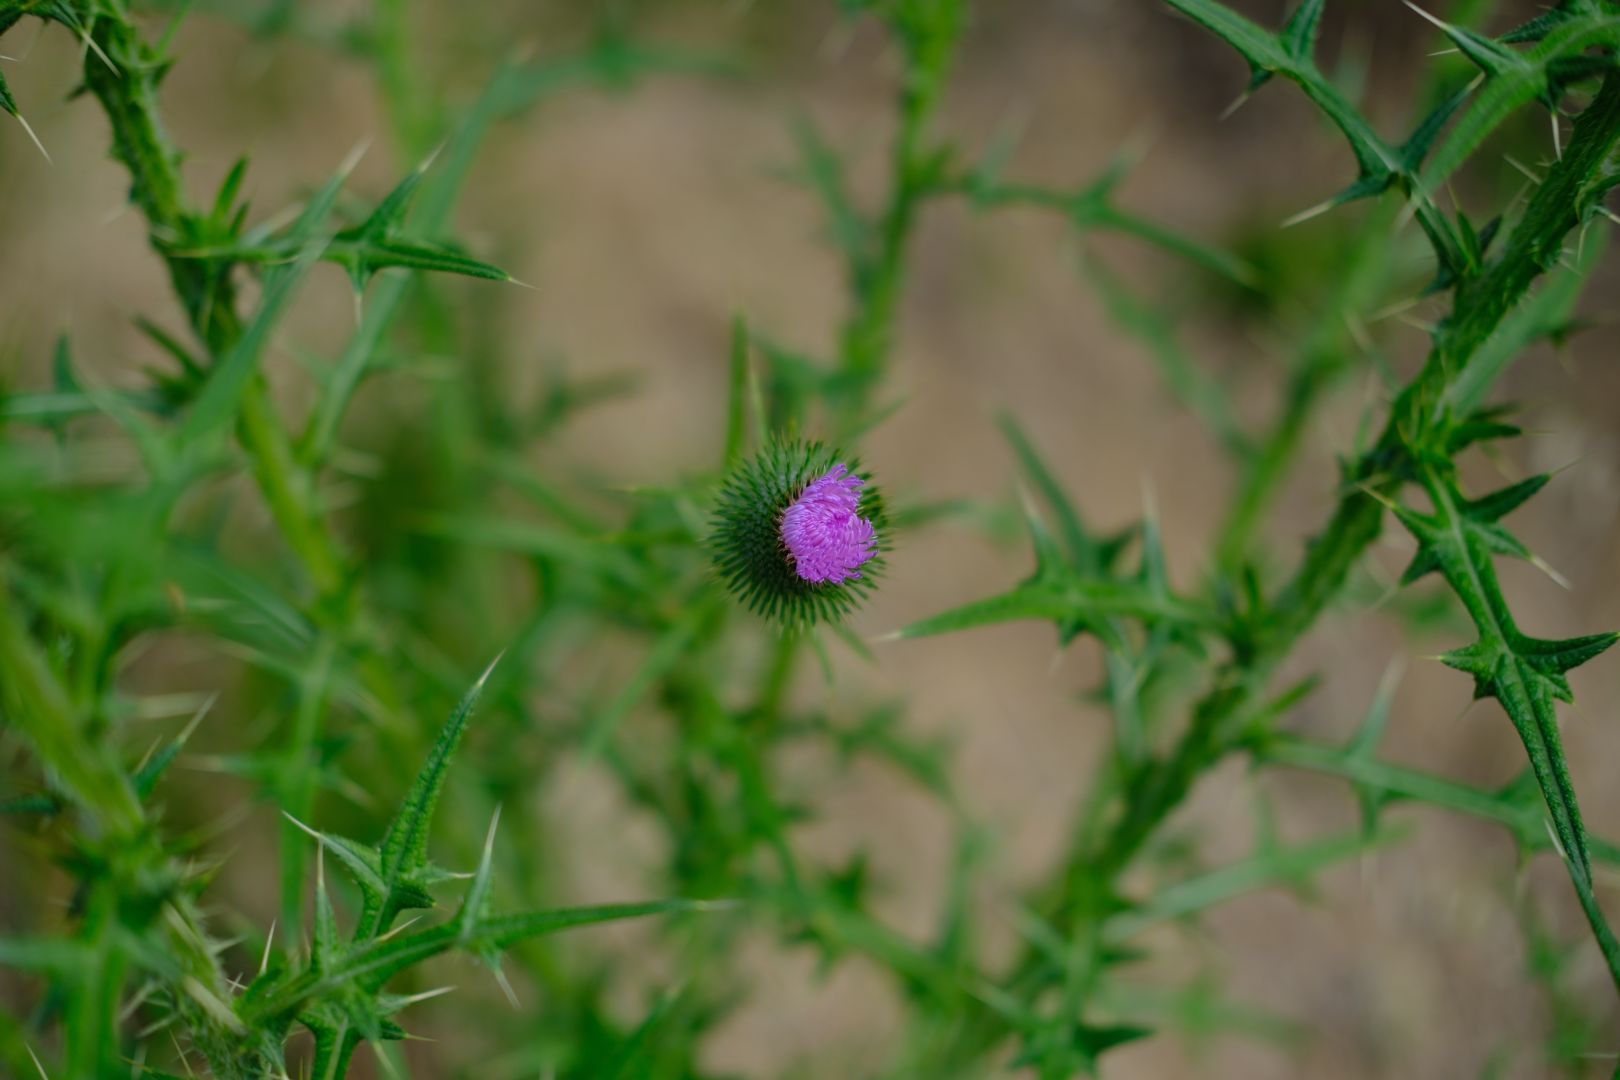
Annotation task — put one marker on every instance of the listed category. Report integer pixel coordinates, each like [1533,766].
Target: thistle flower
[798,533]
[826,537]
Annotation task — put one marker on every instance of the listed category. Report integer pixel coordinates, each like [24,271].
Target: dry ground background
[644,221]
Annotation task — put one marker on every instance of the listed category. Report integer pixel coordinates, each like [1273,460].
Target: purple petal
[825,535]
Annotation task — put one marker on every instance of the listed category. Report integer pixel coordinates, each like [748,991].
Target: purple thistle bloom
[825,535]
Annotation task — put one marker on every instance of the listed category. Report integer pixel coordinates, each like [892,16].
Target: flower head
[824,531]
[798,534]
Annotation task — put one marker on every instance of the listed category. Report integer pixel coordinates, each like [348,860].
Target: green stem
[125,84]
[929,40]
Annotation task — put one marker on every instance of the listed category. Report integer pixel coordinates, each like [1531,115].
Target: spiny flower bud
[798,534]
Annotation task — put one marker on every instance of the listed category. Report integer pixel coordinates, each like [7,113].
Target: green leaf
[1063,1048]
[1269,868]
[1493,58]
[1525,675]
[824,171]
[1194,387]
[364,257]
[402,856]
[475,905]
[1538,27]
[57,956]
[324,944]
[1476,521]
[231,187]
[379,243]
[1088,554]
[148,775]
[369,965]
[1299,34]
[42,805]
[1062,599]
[216,404]
[363,861]
[1518,85]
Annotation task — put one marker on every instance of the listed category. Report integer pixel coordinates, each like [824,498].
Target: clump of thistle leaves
[770,550]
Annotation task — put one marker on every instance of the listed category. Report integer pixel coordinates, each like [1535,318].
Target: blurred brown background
[644,221]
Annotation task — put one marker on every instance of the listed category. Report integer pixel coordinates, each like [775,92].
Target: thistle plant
[797,534]
[654,636]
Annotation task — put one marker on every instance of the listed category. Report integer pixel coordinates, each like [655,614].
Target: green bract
[746,542]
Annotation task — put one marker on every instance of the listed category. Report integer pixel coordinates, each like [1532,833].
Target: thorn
[1419,324]
[221,1013]
[1238,103]
[425,995]
[386,1062]
[1523,168]
[728,903]
[433,155]
[1357,331]
[353,159]
[185,1061]
[484,678]
[1392,676]
[1307,214]
[1553,836]
[37,1065]
[28,49]
[506,986]
[136,1000]
[489,838]
[1546,568]
[318,837]
[1558,139]
[90,43]
[150,750]
[1427,16]
[884,639]
[401,928]
[356,794]
[1378,496]
[37,144]
[1394,309]
[196,719]
[1408,212]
